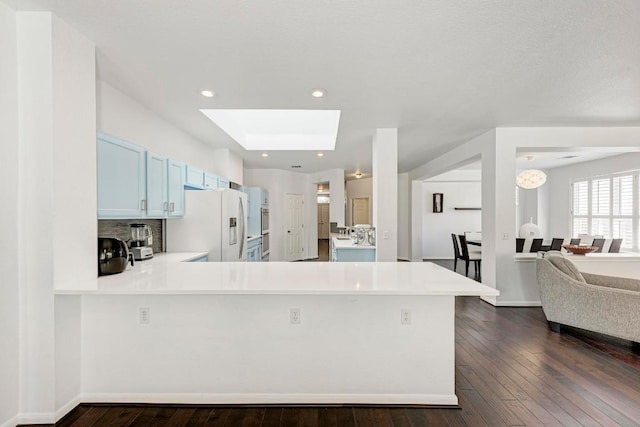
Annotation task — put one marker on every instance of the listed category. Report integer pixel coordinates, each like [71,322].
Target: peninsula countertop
[343,241]
[281,278]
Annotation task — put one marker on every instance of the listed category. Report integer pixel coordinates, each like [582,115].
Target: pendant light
[531,178]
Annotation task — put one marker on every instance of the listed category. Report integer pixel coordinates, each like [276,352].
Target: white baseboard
[36,418]
[68,407]
[11,422]
[272,399]
[494,302]
[439,258]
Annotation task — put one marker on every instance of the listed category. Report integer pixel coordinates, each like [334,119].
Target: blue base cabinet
[254,250]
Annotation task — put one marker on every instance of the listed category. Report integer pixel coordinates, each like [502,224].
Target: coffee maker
[141,241]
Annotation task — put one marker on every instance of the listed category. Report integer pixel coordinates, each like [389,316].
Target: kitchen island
[272,333]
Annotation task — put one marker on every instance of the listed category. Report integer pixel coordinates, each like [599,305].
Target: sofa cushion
[565,265]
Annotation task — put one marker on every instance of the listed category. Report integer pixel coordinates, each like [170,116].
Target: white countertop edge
[115,292]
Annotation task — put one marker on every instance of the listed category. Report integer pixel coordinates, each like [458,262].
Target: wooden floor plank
[272,417]
[199,417]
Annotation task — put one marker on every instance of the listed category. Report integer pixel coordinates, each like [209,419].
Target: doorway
[360,211]
[294,223]
[324,226]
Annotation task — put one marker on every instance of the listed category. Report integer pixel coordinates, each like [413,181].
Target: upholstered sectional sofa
[605,304]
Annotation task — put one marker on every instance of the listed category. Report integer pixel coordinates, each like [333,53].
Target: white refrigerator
[215,221]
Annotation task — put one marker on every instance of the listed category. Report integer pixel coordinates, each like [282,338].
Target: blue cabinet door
[176,177]
[121,178]
[210,181]
[157,203]
[223,182]
[194,178]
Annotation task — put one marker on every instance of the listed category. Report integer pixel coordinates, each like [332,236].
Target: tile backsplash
[120,228]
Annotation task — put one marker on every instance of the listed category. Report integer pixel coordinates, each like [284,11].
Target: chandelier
[531,178]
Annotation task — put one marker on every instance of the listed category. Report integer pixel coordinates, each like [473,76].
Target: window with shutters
[608,206]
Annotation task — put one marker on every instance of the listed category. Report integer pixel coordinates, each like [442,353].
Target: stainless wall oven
[265,220]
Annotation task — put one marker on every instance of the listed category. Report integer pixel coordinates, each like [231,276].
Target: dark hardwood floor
[510,370]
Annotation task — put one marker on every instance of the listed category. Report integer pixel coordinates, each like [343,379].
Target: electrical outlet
[145,315]
[294,316]
[506,236]
[405,316]
[385,234]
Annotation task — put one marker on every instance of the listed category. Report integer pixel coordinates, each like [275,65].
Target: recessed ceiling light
[358,175]
[318,93]
[208,93]
[265,154]
[320,154]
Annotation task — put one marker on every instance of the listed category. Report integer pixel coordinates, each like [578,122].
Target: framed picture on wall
[438,199]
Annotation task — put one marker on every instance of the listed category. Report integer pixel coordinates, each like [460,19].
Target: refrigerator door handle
[242,230]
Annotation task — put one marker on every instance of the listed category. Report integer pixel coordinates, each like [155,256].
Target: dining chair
[536,245]
[615,246]
[556,244]
[599,243]
[519,244]
[457,253]
[575,241]
[469,256]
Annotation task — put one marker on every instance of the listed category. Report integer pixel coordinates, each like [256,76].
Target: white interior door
[360,211]
[294,227]
[323,220]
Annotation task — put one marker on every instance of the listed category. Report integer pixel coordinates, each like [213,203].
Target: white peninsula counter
[343,249]
[271,333]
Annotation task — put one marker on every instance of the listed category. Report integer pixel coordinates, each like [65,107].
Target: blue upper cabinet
[194,178]
[176,178]
[121,178]
[135,183]
[157,188]
[223,182]
[210,181]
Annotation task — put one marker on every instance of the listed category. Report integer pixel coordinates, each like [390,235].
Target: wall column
[385,193]
[57,221]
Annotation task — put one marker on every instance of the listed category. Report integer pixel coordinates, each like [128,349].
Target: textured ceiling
[441,71]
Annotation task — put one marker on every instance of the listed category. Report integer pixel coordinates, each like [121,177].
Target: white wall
[9,290]
[385,193]
[122,116]
[559,181]
[195,350]
[357,188]
[56,206]
[279,183]
[404,217]
[437,227]
[228,164]
[36,223]
[74,201]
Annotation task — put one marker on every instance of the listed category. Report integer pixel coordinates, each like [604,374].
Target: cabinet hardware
[143,205]
[172,206]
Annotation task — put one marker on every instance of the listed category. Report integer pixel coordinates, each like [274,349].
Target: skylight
[279,129]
